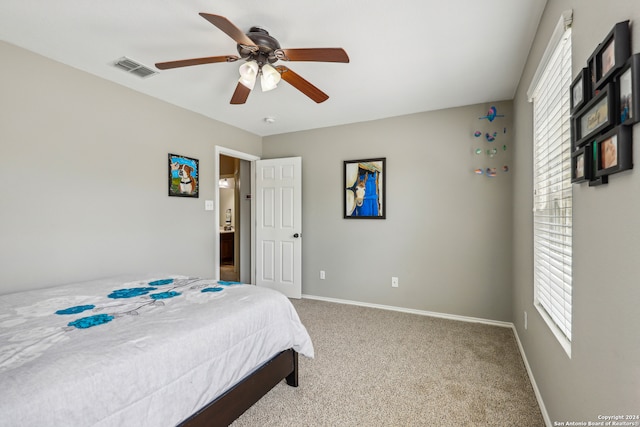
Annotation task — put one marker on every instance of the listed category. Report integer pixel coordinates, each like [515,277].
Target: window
[552,193]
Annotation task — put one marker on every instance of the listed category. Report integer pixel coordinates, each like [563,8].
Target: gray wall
[603,375]
[447,235]
[84,167]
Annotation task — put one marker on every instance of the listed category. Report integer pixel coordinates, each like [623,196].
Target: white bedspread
[146,355]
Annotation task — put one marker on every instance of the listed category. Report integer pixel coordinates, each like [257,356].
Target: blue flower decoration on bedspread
[148,299]
[161,282]
[87,322]
[77,309]
[220,288]
[216,289]
[130,293]
[165,295]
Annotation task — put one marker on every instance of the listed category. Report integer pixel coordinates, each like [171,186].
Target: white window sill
[564,342]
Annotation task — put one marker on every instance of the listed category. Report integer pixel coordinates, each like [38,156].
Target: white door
[279,225]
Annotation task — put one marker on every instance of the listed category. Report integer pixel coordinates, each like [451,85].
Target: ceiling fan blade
[240,95]
[229,29]
[301,84]
[195,61]
[322,54]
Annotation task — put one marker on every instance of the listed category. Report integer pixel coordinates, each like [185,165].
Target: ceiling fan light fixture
[259,50]
[270,77]
[248,74]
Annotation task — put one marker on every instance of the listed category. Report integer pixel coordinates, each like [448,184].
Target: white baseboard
[536,391]
[413,311]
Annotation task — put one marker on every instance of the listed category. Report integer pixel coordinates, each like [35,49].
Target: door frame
[216,176]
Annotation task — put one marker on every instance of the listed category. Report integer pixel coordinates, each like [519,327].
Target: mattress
[147,351]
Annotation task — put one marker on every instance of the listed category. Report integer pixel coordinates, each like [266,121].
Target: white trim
[234,153]
[566,19]
[413,311]
[216,179]
[534,385]
[562,339]
[536,390]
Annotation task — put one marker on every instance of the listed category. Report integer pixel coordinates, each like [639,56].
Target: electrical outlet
[322,276]
[394,282]
[525,320]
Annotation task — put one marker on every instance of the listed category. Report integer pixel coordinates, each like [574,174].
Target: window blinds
[552,187]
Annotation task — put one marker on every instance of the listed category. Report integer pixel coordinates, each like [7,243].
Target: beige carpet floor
[376,367]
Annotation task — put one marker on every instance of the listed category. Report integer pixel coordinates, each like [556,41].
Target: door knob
[296,235]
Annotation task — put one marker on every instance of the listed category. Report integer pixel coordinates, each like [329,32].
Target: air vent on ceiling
[134,67]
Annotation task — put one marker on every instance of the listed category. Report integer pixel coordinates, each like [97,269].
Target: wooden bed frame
[228,407]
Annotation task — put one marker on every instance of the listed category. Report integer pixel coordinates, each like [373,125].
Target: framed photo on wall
[183,176]
[595,117]
[581,164]
[595,181]
[612,53]
[580,90]
[628,85]
[365,188]
[613,151]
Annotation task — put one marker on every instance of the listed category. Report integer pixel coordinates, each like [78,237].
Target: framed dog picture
[183,176]
[365,188]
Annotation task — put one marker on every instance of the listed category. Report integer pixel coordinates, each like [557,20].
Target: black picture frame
[591,71]
[364,183]
[572,129]
[580,90]
[599,181]
[581,164]
[612,53]
[183,176]
[596,116]
[628,86]
[595,181]
[612,152]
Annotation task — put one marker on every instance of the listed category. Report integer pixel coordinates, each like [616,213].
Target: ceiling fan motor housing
[267,46]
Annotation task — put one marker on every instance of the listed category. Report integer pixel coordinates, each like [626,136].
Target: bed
[158,350]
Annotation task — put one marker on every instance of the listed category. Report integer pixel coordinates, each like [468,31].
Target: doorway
[234,207]
[230,261]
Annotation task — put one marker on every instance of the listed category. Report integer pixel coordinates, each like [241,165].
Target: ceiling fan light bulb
[270,77]
[249,69]
[248,83]
[248,73]
[266,85]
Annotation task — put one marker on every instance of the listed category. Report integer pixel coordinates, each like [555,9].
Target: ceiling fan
[260,50]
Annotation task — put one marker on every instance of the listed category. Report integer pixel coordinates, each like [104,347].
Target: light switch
[208,205]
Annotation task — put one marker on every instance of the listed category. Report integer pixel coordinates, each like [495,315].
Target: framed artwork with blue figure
[183,176]
[365,188]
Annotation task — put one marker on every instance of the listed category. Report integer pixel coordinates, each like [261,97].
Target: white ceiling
[407,56]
